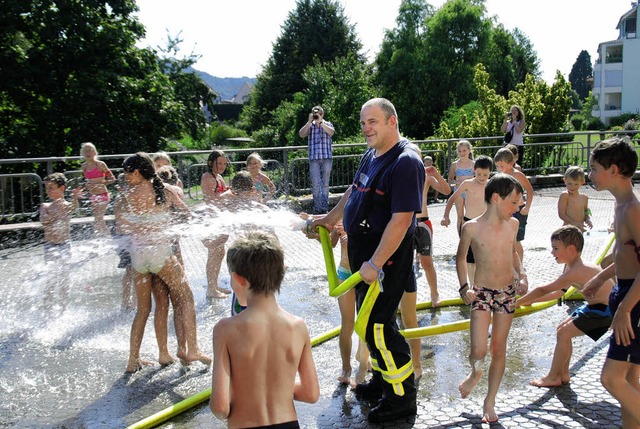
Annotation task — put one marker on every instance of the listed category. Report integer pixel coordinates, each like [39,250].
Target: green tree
[509,58]
[581,73]
[402,68]
[341,87]
[317,30]
[546,108]
[425,65]
[71,73]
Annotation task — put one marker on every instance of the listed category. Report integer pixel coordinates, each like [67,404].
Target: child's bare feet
[435,300]
[215,293]
[345,377]
[489,413]
[548,381]
[361,375]
[166,359]
[135,365]
[417,373]
[187,358]
[469,383]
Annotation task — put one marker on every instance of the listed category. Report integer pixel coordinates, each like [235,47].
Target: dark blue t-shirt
[398,189]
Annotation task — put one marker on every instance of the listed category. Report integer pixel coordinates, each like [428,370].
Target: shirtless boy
[259,352]
[592,318]
[612,165]
[56,219]
[492,236]
[505,163]
[56,215]
[573,207]
[472,192]
[424,230]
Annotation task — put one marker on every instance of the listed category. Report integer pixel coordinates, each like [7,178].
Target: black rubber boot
[392,407]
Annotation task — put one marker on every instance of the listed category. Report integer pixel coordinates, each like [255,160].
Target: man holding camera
[319,133]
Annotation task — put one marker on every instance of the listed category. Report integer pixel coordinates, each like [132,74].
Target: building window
[614,54]
[630,27]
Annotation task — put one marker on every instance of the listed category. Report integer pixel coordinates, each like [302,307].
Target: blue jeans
[320,171]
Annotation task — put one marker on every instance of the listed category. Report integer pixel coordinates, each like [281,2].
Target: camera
[315,114]
[509,114]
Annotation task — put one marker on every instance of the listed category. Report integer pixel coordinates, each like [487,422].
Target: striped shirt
[319,142]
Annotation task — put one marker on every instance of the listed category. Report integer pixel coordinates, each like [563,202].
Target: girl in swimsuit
[261,183]
[459,171]
[213,189]
[97,175]
[148,210]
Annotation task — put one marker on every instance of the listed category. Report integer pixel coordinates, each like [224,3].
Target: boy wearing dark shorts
[612,165]
[592,319]
[505,162]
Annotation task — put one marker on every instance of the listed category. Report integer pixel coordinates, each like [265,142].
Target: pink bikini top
[93,174]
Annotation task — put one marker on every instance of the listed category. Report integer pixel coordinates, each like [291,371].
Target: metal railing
[22,193]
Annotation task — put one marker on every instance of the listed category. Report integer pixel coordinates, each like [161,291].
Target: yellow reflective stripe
[365,310]
[387,357]
[374,365]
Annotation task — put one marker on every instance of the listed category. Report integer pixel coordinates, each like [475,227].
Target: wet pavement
[62,359]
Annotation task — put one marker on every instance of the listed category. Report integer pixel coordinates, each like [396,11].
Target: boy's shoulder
[580,272]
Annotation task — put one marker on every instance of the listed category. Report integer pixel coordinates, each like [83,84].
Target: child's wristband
[464,286]
[380,274]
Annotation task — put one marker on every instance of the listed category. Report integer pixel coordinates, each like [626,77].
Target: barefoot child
[347,305]
[213,187]
[148,210]
[424,230]
[474,205]
[504,162]
[613,163]
[56,219]
[259,352]
[460,170]
[492,237]
[573,207]
[592,318]
[97,176]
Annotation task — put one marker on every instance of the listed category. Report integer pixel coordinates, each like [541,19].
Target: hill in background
[226,87]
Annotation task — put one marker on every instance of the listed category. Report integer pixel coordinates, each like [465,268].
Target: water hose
[336,290]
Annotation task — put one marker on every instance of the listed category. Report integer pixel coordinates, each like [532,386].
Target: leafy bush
[593,124]
[576,121]
[620,120]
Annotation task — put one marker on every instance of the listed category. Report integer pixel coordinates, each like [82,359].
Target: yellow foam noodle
[365,309]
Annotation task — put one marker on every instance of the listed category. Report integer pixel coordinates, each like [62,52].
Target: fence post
[285,165]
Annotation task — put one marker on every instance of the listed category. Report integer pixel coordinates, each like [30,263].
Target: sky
[235,37]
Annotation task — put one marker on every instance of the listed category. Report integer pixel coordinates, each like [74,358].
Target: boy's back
[265,347]
[580,273]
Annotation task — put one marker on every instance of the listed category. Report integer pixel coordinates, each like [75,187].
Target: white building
[616,73]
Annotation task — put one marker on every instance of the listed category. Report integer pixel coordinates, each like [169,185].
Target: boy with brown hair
[492,236]
[592,318]
[56,217]
[573,207]
[259,352]
[612,165]
[505,162]
[472,192]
